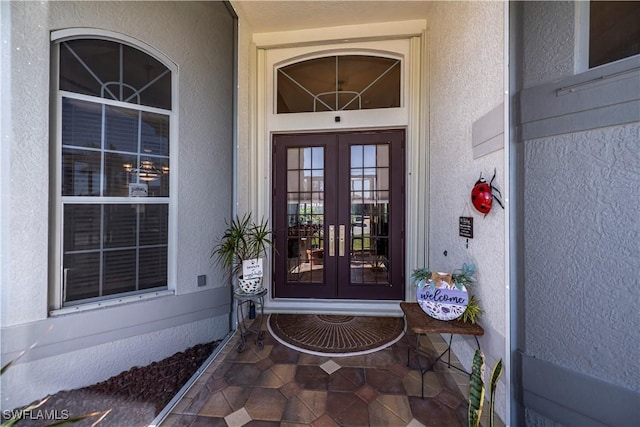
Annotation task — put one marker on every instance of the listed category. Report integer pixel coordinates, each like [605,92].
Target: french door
[338,215]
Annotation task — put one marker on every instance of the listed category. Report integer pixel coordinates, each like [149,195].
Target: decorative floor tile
[356,415]
[396,403]
[312,378]
[277,386]
[197,402]
[269,379]
[265,404]
[381,359]
[433,413]
[316,401]
[238,418]
[216,384]
[177,420]
[297,412]
[290,389]
[384,381]
[346,379]
[208,422]
[330,367]
[236,396]
[340,402]
[452,400]
[312,359]
[357,361]
[265,363]
[286,373]
[242,374]
[324,421]
[412,384]
[216,406]
[367,393]
[399,370]
[382,416]
[260,423]
[282,354]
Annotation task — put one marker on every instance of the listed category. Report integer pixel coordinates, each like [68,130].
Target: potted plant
[244,241]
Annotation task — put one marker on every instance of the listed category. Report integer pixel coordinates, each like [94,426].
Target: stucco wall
[246,99]
[466,82]
[198,37]
[581,229]
[582,252]
[549,39]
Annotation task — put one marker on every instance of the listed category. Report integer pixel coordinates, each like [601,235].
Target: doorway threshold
[333,306]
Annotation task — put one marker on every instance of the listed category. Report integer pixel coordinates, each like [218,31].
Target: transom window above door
[339,83]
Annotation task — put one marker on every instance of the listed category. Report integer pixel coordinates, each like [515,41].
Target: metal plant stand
[245,326]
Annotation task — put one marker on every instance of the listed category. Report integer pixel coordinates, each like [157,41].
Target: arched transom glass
[339,83]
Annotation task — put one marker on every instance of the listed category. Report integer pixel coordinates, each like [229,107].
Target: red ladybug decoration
[482,195]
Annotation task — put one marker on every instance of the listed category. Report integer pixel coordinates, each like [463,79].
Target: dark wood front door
[338,215]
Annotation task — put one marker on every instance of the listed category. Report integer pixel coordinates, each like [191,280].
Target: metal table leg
[245,301]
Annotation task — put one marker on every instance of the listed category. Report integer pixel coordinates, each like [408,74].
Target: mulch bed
[135,397]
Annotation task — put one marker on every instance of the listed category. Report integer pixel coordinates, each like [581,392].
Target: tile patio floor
[278,386]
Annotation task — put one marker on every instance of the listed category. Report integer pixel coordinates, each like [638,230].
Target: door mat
[335,335]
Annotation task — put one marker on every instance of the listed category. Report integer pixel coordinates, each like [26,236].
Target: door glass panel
[305,214]
[369,243]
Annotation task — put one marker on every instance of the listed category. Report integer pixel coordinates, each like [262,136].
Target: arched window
[339,83]
[114,109]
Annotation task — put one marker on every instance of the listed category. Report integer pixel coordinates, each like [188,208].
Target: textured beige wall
[466,43]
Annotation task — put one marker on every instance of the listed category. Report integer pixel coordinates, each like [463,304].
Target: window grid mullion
[138,209]
[114,103]
[101,263]
[120,52]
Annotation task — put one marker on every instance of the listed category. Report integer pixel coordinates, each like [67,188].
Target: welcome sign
[252,268]
[443,296]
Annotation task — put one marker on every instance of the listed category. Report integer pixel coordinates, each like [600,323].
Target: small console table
[420,323]
[243,304]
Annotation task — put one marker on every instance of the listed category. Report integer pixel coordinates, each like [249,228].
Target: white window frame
[349,119]
[582,31]
[56,300]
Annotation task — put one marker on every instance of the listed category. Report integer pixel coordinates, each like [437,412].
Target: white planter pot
[250,286]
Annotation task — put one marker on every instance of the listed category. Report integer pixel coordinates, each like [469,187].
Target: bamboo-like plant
[243,239]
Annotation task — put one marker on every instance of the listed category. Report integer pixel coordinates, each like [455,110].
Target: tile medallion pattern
[278,386]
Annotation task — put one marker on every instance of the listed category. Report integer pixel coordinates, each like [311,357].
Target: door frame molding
[258,176]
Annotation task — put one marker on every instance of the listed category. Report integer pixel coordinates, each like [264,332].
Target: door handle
[341,239]
[332,240]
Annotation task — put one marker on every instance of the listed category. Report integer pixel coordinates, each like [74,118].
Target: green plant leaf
[473,311]
[496,372]
[242,240]
[476,389]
